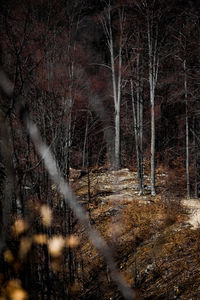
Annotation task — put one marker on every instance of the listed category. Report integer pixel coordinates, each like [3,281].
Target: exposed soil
[193,206]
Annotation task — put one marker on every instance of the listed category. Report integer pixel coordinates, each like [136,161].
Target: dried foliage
[56,54]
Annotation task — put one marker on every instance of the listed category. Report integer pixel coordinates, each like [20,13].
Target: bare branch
[70,199]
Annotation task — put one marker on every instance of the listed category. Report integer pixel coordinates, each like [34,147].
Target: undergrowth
[149,242]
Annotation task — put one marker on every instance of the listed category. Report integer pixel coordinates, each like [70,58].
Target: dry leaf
[46,215]
[40,239]
[56,245]
[72,241]
[19,227]
[18,294]
[14,291]
[8,256]
[25,245]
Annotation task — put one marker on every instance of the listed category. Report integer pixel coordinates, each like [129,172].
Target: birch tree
[152,32]
[116,68]
[137,106]
[152,18]
[185,45]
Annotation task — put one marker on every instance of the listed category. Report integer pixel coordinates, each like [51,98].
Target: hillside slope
[153,241]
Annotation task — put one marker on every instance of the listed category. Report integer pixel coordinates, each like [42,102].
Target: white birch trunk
[139,128]
[117,138]
[116,75]
[153,73]
[153,192]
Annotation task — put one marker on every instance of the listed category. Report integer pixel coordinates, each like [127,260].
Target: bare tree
[137,106]
[116,67]
[152,31]
[69,198]
[136,83]
[186,130]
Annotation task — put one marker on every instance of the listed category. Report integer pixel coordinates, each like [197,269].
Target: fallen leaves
[14,291]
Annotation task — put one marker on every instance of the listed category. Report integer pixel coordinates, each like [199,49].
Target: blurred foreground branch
[65,190]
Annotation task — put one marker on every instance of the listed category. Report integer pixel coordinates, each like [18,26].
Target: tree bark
[187,132]
[116,73]
[137,114]
[195,159]
[153,73]
[117,138]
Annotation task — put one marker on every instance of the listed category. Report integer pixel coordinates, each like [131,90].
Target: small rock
[112,212]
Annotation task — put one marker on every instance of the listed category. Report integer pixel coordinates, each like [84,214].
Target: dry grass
[142,234]
[155,251]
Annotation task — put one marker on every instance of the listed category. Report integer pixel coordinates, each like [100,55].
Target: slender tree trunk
[138,140]
[195,159]
[85,143]
[68,145]
[88,185]
[141,143]
[117,138]
[115,93]
[187,133]
[9,181]
[139,127]
[116,73]
[153,192]
[153,73]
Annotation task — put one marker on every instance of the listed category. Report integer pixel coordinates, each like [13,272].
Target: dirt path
[193,206]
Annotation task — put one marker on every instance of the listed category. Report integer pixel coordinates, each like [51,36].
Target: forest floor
[193,206]
[155,240]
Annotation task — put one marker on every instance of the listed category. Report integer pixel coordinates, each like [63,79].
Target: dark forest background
[73,66]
